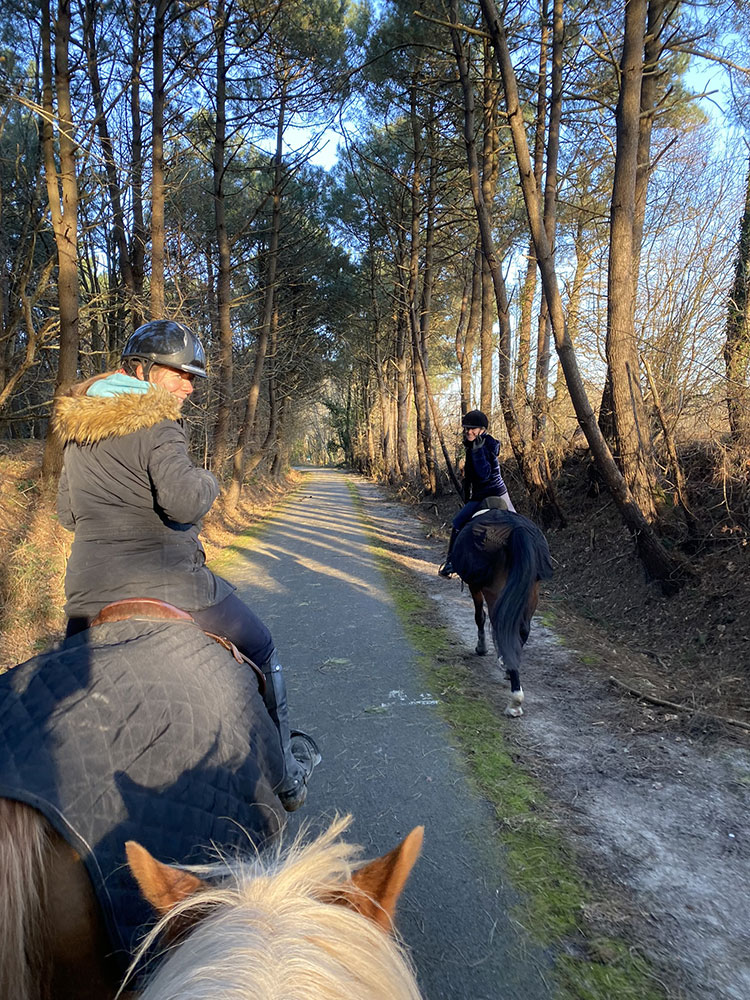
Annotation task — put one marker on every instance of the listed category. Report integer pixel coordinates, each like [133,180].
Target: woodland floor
[655,799]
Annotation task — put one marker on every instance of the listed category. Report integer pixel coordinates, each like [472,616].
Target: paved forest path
[388,760]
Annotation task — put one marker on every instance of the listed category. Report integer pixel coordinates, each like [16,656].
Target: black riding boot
[447,568]
[300,751]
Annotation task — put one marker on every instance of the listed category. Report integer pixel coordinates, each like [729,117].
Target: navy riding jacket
[482,476]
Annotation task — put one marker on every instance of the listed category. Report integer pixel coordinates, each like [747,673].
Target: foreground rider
[482,477]
[134,499]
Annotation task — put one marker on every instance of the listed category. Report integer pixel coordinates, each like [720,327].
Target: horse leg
[514,707]
[480,618]
[493,593]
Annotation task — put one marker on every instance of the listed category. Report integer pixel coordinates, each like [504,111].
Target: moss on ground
[536,857]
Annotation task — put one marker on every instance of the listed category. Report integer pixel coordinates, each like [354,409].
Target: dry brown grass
[36,546]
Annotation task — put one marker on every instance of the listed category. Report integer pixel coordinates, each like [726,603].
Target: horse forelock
[271,932]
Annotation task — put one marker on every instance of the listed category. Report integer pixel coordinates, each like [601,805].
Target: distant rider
[482,477]
[134,499]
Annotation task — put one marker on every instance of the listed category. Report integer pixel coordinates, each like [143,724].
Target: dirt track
[658,817]
[387,755]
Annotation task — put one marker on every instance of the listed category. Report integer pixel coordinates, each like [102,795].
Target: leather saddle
[151,609]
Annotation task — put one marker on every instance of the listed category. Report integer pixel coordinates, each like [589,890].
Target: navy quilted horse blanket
[147,731]
[479,543]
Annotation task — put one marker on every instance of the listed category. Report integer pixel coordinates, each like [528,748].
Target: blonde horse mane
[270,930]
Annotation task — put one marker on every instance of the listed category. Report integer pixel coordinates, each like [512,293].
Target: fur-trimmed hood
[88,419]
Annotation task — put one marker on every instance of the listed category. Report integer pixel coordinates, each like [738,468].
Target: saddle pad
[480,542]
[146,731]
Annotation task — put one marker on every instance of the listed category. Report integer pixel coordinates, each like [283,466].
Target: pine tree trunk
[110,164]
[62,191]
[632,433]
[224,383]
[537,482]
[138,244]
[158,301]
[269,296]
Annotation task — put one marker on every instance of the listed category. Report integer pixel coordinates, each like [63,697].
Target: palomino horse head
[304,923]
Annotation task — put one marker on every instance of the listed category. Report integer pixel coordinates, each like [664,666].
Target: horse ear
[379,883]
[162,885]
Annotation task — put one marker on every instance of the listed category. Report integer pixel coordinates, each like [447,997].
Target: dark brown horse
[502,556]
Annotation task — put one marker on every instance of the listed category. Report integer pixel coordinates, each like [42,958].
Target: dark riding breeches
[234,620]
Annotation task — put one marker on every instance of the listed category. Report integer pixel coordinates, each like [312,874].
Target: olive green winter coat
[134,499]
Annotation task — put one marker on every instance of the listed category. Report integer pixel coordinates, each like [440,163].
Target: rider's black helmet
[164,342]
[475,418]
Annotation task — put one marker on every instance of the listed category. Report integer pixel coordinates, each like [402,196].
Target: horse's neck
[53,939]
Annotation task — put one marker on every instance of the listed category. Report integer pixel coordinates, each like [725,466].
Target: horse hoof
[515,705]
[481,650]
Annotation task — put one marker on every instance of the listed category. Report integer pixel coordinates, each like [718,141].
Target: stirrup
[295,797]
[305,751]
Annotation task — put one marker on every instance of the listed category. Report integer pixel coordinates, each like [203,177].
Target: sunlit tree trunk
[402,381]
[277,462]
[224,382]
[658,15]
[471,330]
[632,433]
[425,311]
[62,192]
[490,167]
[541,382]
[424,450]
[387,452]
[521,394]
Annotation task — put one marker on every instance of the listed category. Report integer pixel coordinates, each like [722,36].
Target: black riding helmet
[164,342]
[475,418]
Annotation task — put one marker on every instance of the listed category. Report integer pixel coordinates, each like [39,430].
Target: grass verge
[554,896]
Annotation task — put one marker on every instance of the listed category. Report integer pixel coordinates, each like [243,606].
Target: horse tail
[25,966]
[510,614]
